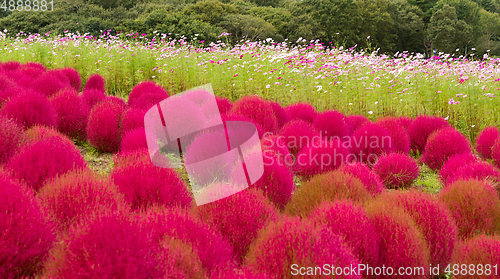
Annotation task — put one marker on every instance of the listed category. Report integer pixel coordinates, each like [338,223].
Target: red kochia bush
[27,233]
[103,128]
[332,124]
[454,163]
[38,133]
[29,109]
[349,221]
[432,218]
[396,170]
[369,178]
[288,242]
[298,134]
[50,83]
[92,97]
[10,65]
[231,116]
[443,144]
[476,254]
[45,159]
[132,119]
[398,134]
[357,121]
[213,250]
[180,260]
[106,245]
[495,153]
[258,110]
[274,147]
[239,217]
[477,170]
[133,140]
[485,141]
[225,105]
[405,122]
[474,205]
[402,243]
[330,186]
[322,156]
[73,77]
[144,184]
[73,114]
[302,111]
[145,95]
[11,138]
[421,128]
[236,273]
[79,193]
[280,113]
[371,141]
[95,82]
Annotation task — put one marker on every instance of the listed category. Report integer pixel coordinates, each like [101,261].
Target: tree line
[424,26]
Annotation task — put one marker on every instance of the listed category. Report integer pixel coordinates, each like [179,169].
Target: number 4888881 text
[27,5]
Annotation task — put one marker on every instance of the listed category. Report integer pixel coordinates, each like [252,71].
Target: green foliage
[408,25]
[249,27]
[210,11]
[447,31]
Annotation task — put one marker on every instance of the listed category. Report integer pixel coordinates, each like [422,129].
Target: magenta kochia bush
[474,205]
[144,184]
[402,243]
[290,241]
[133,140]
[477,253]
[274,147]
[259,110]
[495,153]
[73,114]
[77,194]
[302,111]
[454,163]
[145,95]
[225,105]
[180,260]
[50,83]
[332,124]
[368,177]
[477,170]
[27,232]
[106,245]
[11,138]
[280,113]
[232,116]
[356,121]
[322,156]
[29,109]
[239,217]
[92,97]
[96,82]
[45,159]
[213,250]
[370,142]
[398,134]
[485,141]
[349,221]
[132,119]
[396,170]
[103,128]
[443,144]
[236,273]
[421,128]
[73,77]
[298,134]
[432,218]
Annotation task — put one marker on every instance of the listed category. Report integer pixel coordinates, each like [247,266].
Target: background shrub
[103,128]
[485,141]
[396,170]
[371,141]
[443,144]
[145,95]
[259,110]
[72,112]
[421,128]
[302,111]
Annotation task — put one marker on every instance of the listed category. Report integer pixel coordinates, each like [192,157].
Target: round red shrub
[133,140]
[368,177]
[476,254]
[477,170]
[330,186]
[357,121]
[116,100]
[122,159]
[370,142]
[106,245]
[73,114]
[396,170]
[180,260]
[36,65]
[280,113]
[274,147]
[50,83]
[37,162]
[402,244]
[398,134]
[350,221]
[485,141]
[332,124]
[144,184]
[10,65]
[298,134]
[322,156]
[236,273]
[7,94]
[432,218]
[132,119]
[421,128]
[258,110]
[145,95]
[93,96]
[11,138]
[103,128]
[95,82]
[443,144]
[290,243]
[474,205]
[495,153]
[6,82]
[455,162]
[28,73]
[405,122]
[302,111]
[213,250]
[225,105]
[73,77]
[239,217]
[71,197]
[38,133]
[27,232]
[277,181]
[29,109]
